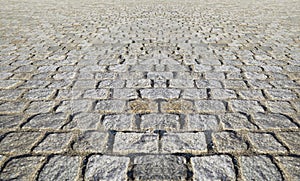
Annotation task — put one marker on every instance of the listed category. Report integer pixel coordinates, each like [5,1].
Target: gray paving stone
[16,142]
[281,94]
[246,106]
[10,94]
[210,106]
[202,68]
[214,75]
[139,83]
[283,107]
[160,167]
[256,75]
[10,121]
[11,107]
[235,84]
[291,166]
[84,84]
[229,142]
[111,84]
[208,84]
[39,94]
[216,167]
[253,94]
[135,143]
[84,121]
[202,122]
[22,168]
[74,106]
[159,75]
[223,94]
[194,143]
[160,122]
[68,94]
[60,168]
[260,84]
[54,142]
[47,120]
[8,84]
[96,94]
[259,167]
[119,122]
[36,107]
[181,83]
[105,76]
[266,121]
[160,93]
[110,106]
[106,168]
[292,140]
[91,141]
[194,94]
[236,121]
[264,142]
[125,94]
[93,68]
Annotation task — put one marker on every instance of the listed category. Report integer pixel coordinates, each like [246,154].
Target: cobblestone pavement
[160,90]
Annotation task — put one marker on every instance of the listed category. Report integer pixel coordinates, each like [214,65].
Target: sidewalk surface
[149,90]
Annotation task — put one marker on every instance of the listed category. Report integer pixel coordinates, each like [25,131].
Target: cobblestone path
[139,90]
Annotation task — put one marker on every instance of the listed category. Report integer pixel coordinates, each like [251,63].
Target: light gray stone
[208,84]
[110,106]
[210,106]
[74,106]
[236,121]
[91,141]
[11,107]
[229,142]
[223,94]
[39,94]
[291,166]
[217,167]
[119,122]
[111,84]
[139,83]
[48,120]
[194,94]
[125,94]
[266,121]
[160,93]
[39,107]
[106,168]
[54,142]
[84,121]
[264,142]
[283,107]
[202,122]
[181,83]
[246,106]
[10,121]
[160,122]
[292,140]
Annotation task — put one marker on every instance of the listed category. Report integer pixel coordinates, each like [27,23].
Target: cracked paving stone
[160,167]
[229,142]
[210,106]
[160,93]
[266,121]
[246,106]
[84,121]
[11,107]
[60,168]
[194,143]
[264,142]
[160,122]
[291,165]
[110,106]
[202,122]
[21,168]
[54,142]
[216,167]
[91,141]
[259,168]
[135,143]
[236,121]
[106,168]
[18,142]
[10,121]
[48,120]
[119,122]
[292,140]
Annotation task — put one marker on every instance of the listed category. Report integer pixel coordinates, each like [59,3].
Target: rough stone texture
[259,167]
[136,143]
[184,143]
[217,167]
[160,122]
[106,168]
[160,167]
[60,168]
[22,168]
[139,78]
[91,141]
[18,142]
[291,166]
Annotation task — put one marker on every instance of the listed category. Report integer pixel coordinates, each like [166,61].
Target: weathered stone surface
[110,106]
[266,121]
[84,121]
[10,121]
[292,140]
[202,122]
[139,83]
[181,83]
[91,141]
[111,84]
[223,94]
[106,168]
[160,167]
[39,94]
[135,143]
[142,106]
[60,168]
[18,142]
[194,94]
[39,107]
[264,142]
[54,142]
[208,84]
[181,106]
[160,122]
[246,106]
[210,106]
[281,94]
[160,93]
[184,143]
[291,166]
[125,94]
[280,107]
[49,120]
[259,167]
[11,107]
[22,168]
[74,106]
[96,94]
[236,121]
[119,122]
[217,167]
[229,142]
